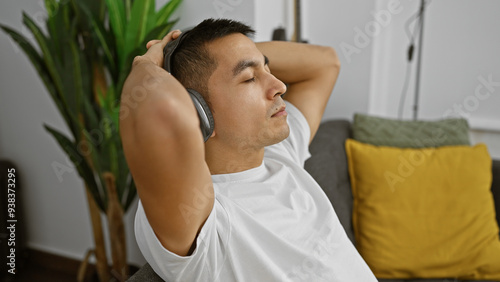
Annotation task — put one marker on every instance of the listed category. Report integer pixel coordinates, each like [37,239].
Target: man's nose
[277,87]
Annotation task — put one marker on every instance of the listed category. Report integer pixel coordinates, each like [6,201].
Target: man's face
[245,96]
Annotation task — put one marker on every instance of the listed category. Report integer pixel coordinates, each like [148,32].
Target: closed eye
[250,80]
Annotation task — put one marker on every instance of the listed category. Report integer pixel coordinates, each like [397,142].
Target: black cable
[404,91]
[402,98]
[416,16]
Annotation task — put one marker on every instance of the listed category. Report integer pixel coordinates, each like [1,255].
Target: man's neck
[224,160]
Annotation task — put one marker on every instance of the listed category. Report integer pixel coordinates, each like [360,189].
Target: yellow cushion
[424,213]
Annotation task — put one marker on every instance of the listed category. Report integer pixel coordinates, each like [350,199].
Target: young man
[239,207]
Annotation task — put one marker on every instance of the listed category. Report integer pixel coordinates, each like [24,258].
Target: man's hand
[164,149]
[155,49]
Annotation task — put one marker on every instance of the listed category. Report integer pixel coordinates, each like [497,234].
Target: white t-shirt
[269,223]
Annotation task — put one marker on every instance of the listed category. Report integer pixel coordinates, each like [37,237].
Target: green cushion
[410,134]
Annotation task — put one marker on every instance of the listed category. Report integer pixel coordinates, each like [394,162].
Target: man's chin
[279,135]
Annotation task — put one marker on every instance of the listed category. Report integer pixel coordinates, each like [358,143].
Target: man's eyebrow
[242,65]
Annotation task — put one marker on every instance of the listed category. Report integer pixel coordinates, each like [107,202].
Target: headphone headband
[170,49]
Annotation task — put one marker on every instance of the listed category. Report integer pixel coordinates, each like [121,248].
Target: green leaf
[95,154]
[128,7]
[74,73]
[102,47]
[115,117]
[44,46]
[67,11]
[77,95]
[80,163]
[99,164]
[109,103]
[117,19]
[34,57]
[91,120]
[108,128]
[159,32]
[87,78]
[72,67]
[164,13]
[51,6]
[102,38]
[141,18]
[55,26]
[122,175]
[97,8]
[42,70]
[51,67]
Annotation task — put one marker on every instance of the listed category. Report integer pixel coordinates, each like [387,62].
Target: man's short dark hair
[192,63]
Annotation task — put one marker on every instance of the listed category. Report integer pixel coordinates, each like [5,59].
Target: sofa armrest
[145,274]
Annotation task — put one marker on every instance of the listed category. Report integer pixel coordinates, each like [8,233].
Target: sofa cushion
[328,166]
[424,213]
[410,134]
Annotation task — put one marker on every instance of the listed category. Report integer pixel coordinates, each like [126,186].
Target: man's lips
[281,112]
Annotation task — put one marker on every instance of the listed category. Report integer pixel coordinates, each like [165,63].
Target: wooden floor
[38,273]
[40,266]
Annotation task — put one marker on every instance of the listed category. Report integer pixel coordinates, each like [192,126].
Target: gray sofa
[328,165]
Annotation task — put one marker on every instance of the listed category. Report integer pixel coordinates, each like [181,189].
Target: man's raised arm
[311,72]
[164,149]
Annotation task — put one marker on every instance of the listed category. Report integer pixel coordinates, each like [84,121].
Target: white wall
[263,16]
[270,15]
[334,23]
[192,12]
[461,49]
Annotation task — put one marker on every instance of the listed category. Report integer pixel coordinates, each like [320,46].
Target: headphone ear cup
[204,113]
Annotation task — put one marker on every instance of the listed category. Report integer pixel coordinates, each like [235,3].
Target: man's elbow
[330,64]
[331,58]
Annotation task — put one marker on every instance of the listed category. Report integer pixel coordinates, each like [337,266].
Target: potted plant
[83,60]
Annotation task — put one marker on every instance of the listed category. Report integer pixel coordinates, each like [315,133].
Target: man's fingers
[155,47]
[171,36]
[158,45]
[167,38]
[152,42]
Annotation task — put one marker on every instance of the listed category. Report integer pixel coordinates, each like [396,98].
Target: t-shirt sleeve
[167,264]
[297,143]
